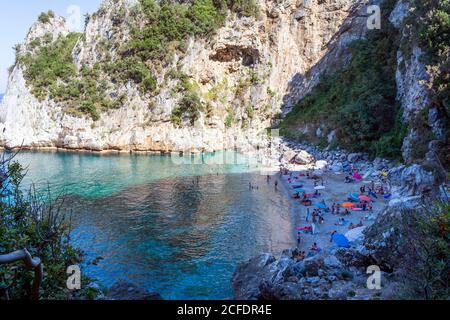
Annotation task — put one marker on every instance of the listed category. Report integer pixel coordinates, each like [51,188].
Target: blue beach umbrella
[299,190]
[353,197]
[321,206]
[341,240]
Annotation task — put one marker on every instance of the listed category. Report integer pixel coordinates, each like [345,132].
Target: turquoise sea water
[177,226]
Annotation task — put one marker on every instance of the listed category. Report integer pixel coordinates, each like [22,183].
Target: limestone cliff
[247,72]
[414,93]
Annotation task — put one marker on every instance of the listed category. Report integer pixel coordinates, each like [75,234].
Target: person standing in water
[315,228]
[307,214]
[276,185]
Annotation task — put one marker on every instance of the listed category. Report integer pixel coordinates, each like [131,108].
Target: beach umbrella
[321,206]
[348,205]
[319,188]
[357,176]
[353,197]
[299,190]
[341,240]
[365,198]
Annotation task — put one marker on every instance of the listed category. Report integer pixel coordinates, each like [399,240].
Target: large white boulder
[356,235]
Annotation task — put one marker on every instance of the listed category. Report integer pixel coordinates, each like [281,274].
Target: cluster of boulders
[337,160]
[407,183]
[338,274]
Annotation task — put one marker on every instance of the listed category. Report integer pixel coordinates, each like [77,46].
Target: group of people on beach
[301,255]
[316,216]
[354,226]
[368,193]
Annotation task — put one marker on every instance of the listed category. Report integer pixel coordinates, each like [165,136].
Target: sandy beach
[336,191]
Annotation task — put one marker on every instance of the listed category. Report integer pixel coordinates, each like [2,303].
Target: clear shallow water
[176,228]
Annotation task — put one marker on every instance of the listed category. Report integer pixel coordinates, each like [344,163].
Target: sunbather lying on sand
[315,247]
[340,222]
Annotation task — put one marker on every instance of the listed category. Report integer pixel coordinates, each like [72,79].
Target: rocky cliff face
[250,71]
[411,77]
[428,125]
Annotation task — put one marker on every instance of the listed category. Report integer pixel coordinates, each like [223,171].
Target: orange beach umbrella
[348,205]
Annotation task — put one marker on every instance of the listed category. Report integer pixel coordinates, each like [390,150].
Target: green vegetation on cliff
[429,26]
[45,17]
[158,31]
[51,63]
[169,25]
[51,72]
[424,246]
[358,100]
[190,105]
[434,35]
